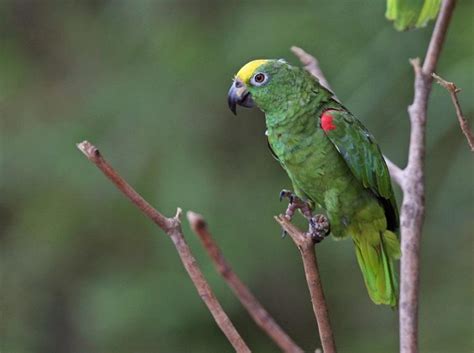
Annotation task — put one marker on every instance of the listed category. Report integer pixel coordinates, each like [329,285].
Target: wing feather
[363,157]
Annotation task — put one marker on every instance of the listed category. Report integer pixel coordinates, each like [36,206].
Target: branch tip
[305,58]
[89,150]
[179,213]
[196,221]
[416,63]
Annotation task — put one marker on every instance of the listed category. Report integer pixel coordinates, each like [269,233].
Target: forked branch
[172,227]
[245,296]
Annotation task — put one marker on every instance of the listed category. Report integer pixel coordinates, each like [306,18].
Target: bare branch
[412,216]
[395,171]
[93,154]
[413,206]
[453,91]
[172,227]
[438,36]
[308,254]
[311,64]
[248,300]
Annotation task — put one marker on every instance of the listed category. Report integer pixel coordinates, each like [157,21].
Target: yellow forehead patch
[246,72]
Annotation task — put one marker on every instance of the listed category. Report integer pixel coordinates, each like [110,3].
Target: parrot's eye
[258,79]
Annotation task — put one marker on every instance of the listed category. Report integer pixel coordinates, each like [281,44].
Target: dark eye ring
[259,79]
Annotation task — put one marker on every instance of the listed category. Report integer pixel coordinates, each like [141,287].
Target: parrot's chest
[312,163]
[295,150]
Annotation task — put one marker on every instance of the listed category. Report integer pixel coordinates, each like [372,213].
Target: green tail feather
[375,256]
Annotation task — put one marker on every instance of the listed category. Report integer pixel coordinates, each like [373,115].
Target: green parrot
[333,162]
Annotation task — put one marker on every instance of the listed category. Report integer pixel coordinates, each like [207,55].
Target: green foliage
[408,14]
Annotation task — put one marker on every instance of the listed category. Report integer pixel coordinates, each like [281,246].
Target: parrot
[333,162]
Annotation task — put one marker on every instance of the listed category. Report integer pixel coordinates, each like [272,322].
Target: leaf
[408,14]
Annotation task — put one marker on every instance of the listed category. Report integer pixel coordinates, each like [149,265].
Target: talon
[318,225]
[318,228]
[322,224]
[285,193]
[317,240]
[315,236]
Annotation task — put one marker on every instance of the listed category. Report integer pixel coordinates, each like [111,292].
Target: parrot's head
[266,83]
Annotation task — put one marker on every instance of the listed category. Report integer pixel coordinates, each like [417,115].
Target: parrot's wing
[363,157]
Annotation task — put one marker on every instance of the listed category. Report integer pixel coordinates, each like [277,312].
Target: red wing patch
[326,120]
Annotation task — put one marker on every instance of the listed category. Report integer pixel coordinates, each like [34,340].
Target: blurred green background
[146,81]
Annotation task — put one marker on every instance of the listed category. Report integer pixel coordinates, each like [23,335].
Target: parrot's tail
[375,254]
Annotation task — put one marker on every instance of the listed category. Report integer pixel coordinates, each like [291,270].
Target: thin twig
[311,64]
[413,206]
[308,254]
[241,291]
[438,37]
[463,123]
[172,227]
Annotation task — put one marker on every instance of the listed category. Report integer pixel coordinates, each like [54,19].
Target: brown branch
[308,254]
[463,123]
[172,227]
[248,300]
[438,36]
[413,206]
[396,173]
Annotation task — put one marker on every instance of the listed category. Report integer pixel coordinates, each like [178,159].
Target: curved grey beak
[238,94]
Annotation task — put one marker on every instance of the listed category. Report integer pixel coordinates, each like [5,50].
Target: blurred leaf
[408,14]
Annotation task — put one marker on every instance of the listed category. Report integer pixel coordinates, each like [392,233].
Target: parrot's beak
[238,94]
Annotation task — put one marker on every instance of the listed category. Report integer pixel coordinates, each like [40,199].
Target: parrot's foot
[295,204]
[319,228]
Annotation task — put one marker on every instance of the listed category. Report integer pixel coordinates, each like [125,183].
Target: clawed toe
[287,194]
[318,228]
